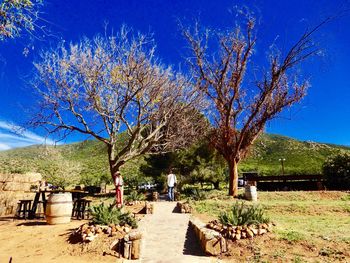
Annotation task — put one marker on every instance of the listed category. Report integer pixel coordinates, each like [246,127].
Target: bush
[242,214]
[337,171]
[105,215]
[92,178]
[194,193]
[127,219]
[134,196]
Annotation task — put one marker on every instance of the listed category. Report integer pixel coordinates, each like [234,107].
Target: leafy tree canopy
[337,171]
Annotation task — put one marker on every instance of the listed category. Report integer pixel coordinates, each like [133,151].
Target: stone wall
[211,241]
[14,187]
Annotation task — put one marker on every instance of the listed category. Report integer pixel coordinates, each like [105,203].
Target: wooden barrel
[251,193]
[59,208]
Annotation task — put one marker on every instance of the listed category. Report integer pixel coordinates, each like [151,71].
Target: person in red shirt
[118,182]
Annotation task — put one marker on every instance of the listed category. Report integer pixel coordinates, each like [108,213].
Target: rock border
[240,232]
[212,242]
[184,208]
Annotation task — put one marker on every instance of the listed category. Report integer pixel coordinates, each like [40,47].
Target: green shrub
[337,171]
[127,218]
[105,215]
[135,196]
[194,193]
[242,214]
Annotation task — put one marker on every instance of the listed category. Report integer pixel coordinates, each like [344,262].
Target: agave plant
[242,214]
[105,215]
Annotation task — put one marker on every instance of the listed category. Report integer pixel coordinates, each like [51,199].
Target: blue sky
[323,116]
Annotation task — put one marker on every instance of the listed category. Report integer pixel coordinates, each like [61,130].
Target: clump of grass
[291,236]
[346,197]
[210,207]
[298,259]
[279,254]
[218,195]
[242,214]
[105,215]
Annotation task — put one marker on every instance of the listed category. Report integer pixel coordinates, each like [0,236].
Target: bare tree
[241,108]
[113,87]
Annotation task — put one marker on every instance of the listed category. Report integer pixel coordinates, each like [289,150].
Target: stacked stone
[239,232]
[14,187]
[155,196]
[184,207]
[126,240]
[177,196]
[89,232]
[212,242]
[131,203]
[149,208]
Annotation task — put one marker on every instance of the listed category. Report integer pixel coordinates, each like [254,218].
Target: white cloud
[12,136]
[4,146]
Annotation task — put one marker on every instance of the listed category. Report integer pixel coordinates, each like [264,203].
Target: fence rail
[286,182]
[284,178]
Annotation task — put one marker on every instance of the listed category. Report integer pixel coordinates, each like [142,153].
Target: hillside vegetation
[301,158]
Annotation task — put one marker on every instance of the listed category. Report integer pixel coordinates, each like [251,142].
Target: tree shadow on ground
[163,197]
[7,218]
[32,223]
[192,244]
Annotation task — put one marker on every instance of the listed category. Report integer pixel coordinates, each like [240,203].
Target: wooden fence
[286,182]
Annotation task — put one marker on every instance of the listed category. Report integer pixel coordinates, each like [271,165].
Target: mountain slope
[300,157]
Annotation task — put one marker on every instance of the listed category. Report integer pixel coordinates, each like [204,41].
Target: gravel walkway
[168,238]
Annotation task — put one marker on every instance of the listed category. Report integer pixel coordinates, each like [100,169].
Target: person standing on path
[118,182]
[171,184]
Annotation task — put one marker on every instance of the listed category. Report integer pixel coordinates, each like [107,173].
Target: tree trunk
[233,180]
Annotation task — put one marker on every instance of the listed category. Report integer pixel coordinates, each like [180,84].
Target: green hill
[301,157]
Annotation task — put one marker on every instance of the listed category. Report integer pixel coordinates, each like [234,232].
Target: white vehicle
[147,186]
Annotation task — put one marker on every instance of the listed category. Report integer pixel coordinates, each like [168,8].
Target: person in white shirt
[171,184]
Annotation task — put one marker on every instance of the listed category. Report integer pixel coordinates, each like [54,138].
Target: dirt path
[168,238]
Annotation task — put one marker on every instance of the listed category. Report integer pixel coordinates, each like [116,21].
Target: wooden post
[135,249]
[127,249]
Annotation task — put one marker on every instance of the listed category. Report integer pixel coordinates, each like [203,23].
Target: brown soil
[35,241]
[268,248]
